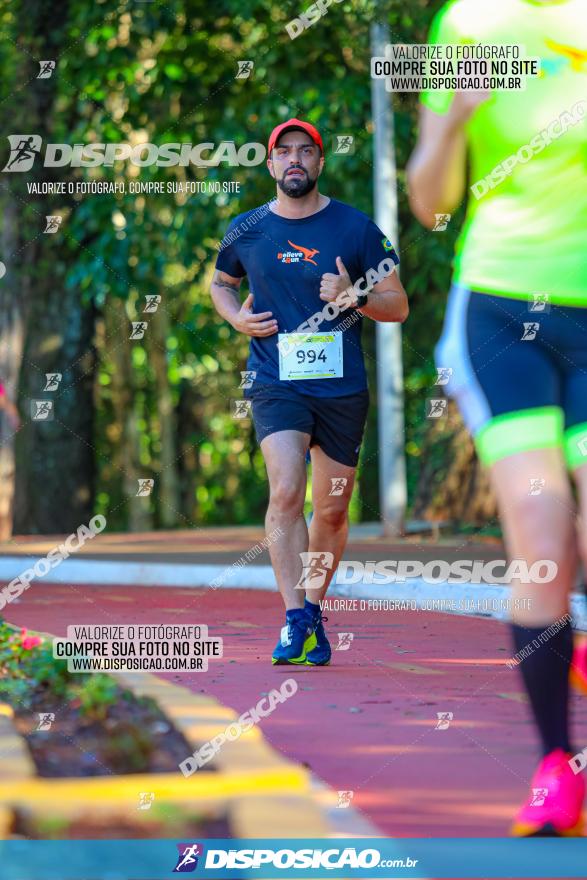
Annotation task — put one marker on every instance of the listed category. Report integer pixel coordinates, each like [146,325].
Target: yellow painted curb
[16,763]
[199,718]
[244,771]
[5,823]
[263,794]
[15,759]
[170,787]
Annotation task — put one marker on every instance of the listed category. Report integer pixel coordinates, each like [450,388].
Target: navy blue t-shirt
[284,261]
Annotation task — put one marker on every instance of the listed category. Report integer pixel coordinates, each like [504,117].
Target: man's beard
[296,186]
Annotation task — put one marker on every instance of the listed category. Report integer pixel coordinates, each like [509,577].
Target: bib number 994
[310,356]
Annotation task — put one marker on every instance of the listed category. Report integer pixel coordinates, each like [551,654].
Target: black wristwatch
[361,300]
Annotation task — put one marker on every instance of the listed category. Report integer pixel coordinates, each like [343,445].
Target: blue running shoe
[297,639]
[321,654]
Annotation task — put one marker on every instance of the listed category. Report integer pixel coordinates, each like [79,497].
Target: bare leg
[538,527]
[580,476]
[285,459]
[329,527]
[541,526]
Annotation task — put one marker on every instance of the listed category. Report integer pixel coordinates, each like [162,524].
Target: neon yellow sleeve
[444,29]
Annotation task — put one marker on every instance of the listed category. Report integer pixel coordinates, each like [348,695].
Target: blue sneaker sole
[297,661]
[280,662]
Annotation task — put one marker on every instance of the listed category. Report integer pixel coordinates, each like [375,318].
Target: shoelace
[298,622]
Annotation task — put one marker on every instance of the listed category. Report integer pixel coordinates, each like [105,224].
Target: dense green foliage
[165,72]
[28,667]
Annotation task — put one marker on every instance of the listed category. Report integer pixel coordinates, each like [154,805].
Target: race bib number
[310,356]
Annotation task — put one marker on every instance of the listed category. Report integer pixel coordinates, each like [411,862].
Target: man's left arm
[386,297]
[387,301]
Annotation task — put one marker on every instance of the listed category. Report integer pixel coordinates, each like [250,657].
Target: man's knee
[287,496]
[332,516]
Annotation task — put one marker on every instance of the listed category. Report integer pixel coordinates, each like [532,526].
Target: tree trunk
[168,490]
[54,456]
[12,301]
[190,428]
[118,328]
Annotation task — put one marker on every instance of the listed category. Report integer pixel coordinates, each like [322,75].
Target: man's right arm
[225,296]
[436,169]
[224,291]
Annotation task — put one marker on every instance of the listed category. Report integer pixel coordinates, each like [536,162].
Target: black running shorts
[335,424]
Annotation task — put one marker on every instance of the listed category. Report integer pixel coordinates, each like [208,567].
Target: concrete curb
[467,599]
[15,759]
[15,762]
[261,792]
[246,765]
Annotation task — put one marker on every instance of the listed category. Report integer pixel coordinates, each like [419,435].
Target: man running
[315,267]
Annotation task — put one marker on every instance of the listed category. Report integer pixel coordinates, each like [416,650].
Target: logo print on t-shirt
[301,253]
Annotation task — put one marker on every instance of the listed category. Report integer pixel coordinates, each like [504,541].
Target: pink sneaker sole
[554,809]
[533,829]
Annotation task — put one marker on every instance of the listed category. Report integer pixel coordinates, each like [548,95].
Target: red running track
[368,722]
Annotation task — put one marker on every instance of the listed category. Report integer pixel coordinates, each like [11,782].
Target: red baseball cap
[292,125]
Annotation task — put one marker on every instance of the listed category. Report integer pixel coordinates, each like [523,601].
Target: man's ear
[270,167]
[321,165]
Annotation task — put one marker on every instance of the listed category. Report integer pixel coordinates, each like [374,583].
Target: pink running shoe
[554,806]
[578,673]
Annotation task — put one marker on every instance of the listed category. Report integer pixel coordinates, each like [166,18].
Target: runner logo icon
[441,222]
[245,68]
[187,860]
[146,799]
[42,410]
[344,641]
[315,568]
[46,719]
[53,223]
[338,484]
[530,331]
[24,148]
[444,719]
[443,375]
[539,795]
[52,381]
[47,68]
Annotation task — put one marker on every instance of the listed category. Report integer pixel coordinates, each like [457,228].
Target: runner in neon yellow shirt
[518,229]
[515,333]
